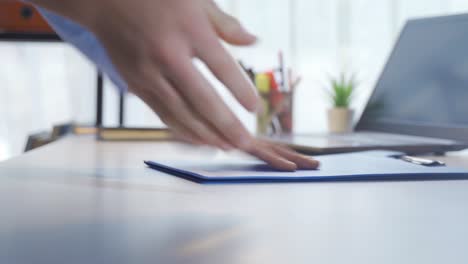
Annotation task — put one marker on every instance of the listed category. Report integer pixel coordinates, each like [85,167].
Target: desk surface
[78,201]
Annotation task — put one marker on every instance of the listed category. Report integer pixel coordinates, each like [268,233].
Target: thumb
[228,27]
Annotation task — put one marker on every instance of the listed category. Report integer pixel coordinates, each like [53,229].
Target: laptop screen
[423,89]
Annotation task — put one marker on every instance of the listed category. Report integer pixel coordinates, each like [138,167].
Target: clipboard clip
[420,161]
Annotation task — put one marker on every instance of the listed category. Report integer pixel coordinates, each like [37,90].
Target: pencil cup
[276,117]
[286,114]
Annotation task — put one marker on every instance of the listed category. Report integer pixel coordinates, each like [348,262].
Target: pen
[421,161]
[282,72]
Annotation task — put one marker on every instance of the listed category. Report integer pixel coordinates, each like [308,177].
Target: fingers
[281,157]
[302,162]
[172,108]
[208,105]
[181,110]
[226,70]
[189,127]
[275,160]
[227,27]
[220,62]
[180,137]
[177,129]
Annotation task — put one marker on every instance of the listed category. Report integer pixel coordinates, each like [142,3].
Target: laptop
[420,102]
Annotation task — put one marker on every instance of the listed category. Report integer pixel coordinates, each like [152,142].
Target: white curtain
[45,84]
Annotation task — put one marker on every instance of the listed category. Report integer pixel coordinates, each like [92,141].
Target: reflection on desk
[82,201]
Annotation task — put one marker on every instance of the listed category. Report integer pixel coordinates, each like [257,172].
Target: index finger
[226,69]
[207,103]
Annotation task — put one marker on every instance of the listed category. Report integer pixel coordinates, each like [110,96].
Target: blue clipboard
[360,166]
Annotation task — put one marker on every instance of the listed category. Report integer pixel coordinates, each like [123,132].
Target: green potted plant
[341,92]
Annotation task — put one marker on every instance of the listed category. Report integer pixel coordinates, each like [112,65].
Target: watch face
[16,16]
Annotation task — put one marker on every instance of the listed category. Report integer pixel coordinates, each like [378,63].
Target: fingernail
[311,164]
[290,167]
[252,38]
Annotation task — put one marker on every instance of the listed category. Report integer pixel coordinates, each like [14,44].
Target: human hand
[153,43]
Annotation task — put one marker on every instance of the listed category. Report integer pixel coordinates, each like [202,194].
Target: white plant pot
[340,120]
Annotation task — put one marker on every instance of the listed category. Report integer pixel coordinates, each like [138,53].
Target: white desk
[79,201]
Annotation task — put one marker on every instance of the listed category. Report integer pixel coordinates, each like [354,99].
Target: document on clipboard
[359,166]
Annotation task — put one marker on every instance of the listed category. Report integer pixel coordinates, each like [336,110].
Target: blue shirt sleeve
[87,43]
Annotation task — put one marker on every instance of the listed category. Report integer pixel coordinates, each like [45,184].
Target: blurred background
[42,84]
